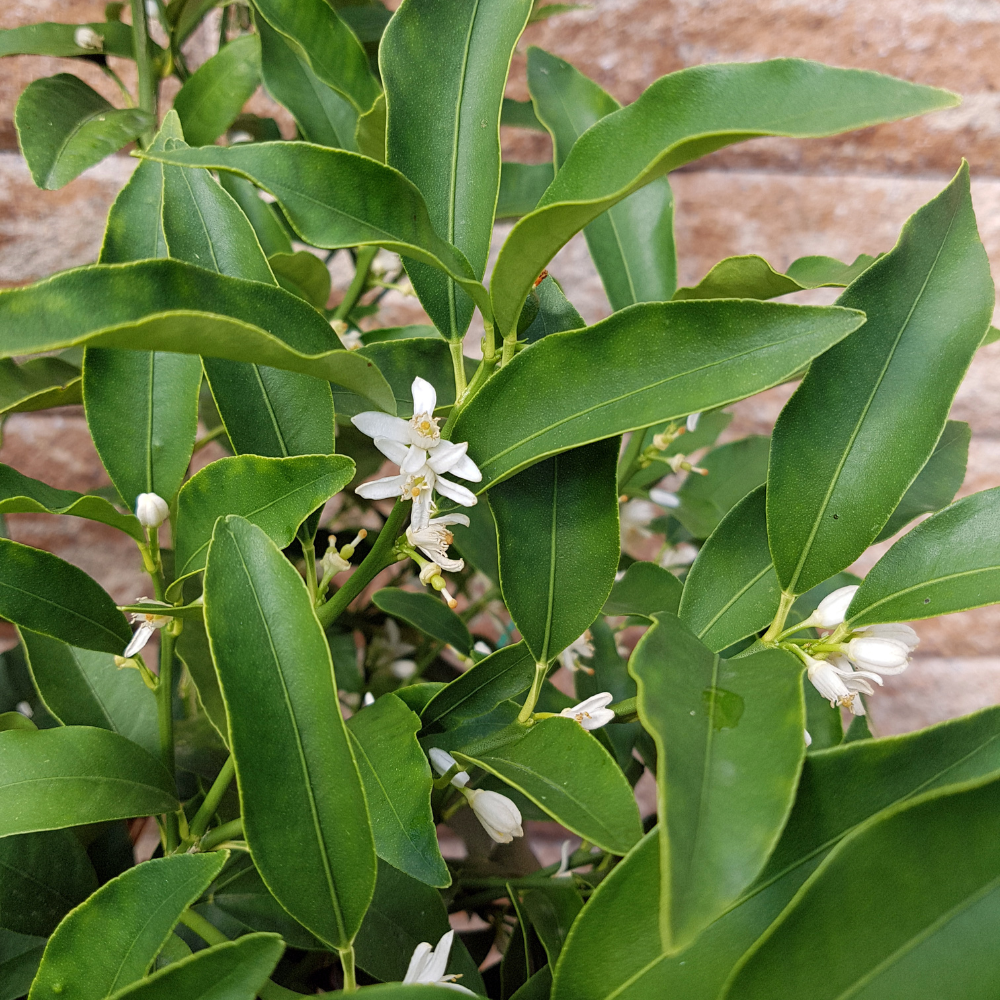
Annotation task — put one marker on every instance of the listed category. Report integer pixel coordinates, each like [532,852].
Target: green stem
[625,711]
[458,365]
[309,551]
[228,831]
[148,84]
[165,715]
[541,669]
[509,345]
[210,436]
[208,932]
[207,810]
[483,373]
[774,630]
[347,961]
[380,556]
[628,464]
[366,255]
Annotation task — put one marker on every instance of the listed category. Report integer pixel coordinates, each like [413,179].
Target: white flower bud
[151,510]
[87,38]
[443,762]
[833,607]
[500,818]
[897,631]
[664,498]
[883,656]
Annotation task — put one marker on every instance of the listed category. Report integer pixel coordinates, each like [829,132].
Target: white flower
[681,554]
[833,608]
[481,647]
[434,538]
[692,422]
[333,562]
[883,656]
[593,712]
[443,762]
[369,699]
[807,737]
[664,498]
[87,38]
[499,817]
[428,964]
[403,669]
[564,852]
[148,624]
[895,631]
[839,683]
[583,646]
[151,510]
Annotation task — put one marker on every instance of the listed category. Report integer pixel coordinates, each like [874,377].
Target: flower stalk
[528,708]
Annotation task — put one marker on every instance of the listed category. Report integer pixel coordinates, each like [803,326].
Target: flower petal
[374,423]
[438,961]
[447,455]
[418,963]
[414,460]
[141,637]
[467,469]
[421,512]
[455,492]
[424,396]
[381,489]
[393,450]
[446,519]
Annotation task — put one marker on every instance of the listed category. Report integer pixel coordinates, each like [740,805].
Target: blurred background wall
[778,198]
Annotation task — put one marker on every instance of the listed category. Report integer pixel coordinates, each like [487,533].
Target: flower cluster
[499,816]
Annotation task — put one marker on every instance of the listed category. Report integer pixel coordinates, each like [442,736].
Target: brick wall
[778,198]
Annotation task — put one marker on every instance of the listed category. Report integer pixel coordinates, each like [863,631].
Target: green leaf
[397,780]
[426,612]
[632,244]
[477,543]
[80,687]
[215,93]
[276,494]
[731,590]
[938,481]
[403,913]
[645,589]
[498,677]
[866,418]
[318,35]
[751,277]
[564,512]
[194,652]
[555,312]
[652,362]
[443,130]
[271,232]
[304,810]
[520,114]
[38,384]
[172,306]
[22,495]
[320,191]
[680,118]
[236,970]
[50,39]
[321,114]
[521,185]
[14,720]
[70,776]
[902,905]
[369,134]
[568,774]
[552,911]
[42,592]
[368,23]
[538,987]
[948,563]
[42,877]
[110,941]
[303,274]
[64,127]
[19,958]
[729,747]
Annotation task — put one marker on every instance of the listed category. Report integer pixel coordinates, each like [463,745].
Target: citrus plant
[311,694]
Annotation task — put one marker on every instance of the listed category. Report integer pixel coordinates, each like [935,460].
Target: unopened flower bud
[151,510]
[499,816]
[833,608]
[443,762]
[87,38]
[896,631]
[884,656]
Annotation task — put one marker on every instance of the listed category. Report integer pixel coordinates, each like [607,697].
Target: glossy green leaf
[367,22]
[731,590]
[276,494]
[520,114]
[42,877]
[15,720]
[950,562]
[80,687]
[729,747]
[477,543]
[314,30]
[69,776]
[333,198]
[215,93]
[172,306]
[111,940]
[555,312]
[568,774]
[426,612]
[651,362]
[64,127]
[476,692]
[321,114]
[21,494]
[369,135]
[304,810]
[397,780]
[235,970]
[684,116]
[645,589]
[751,277]
[271,232]
[538,987]
[521,185]
[50,39]
[938,482]
[632,244]
[42,592]
[403,913]
[443,132]
[902,906]
[19,958]
[552,912]
[866,418]
[38,384]
[194,652]
[563,511]
[303,274]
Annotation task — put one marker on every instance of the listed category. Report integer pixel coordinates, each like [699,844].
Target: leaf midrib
[932,582]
